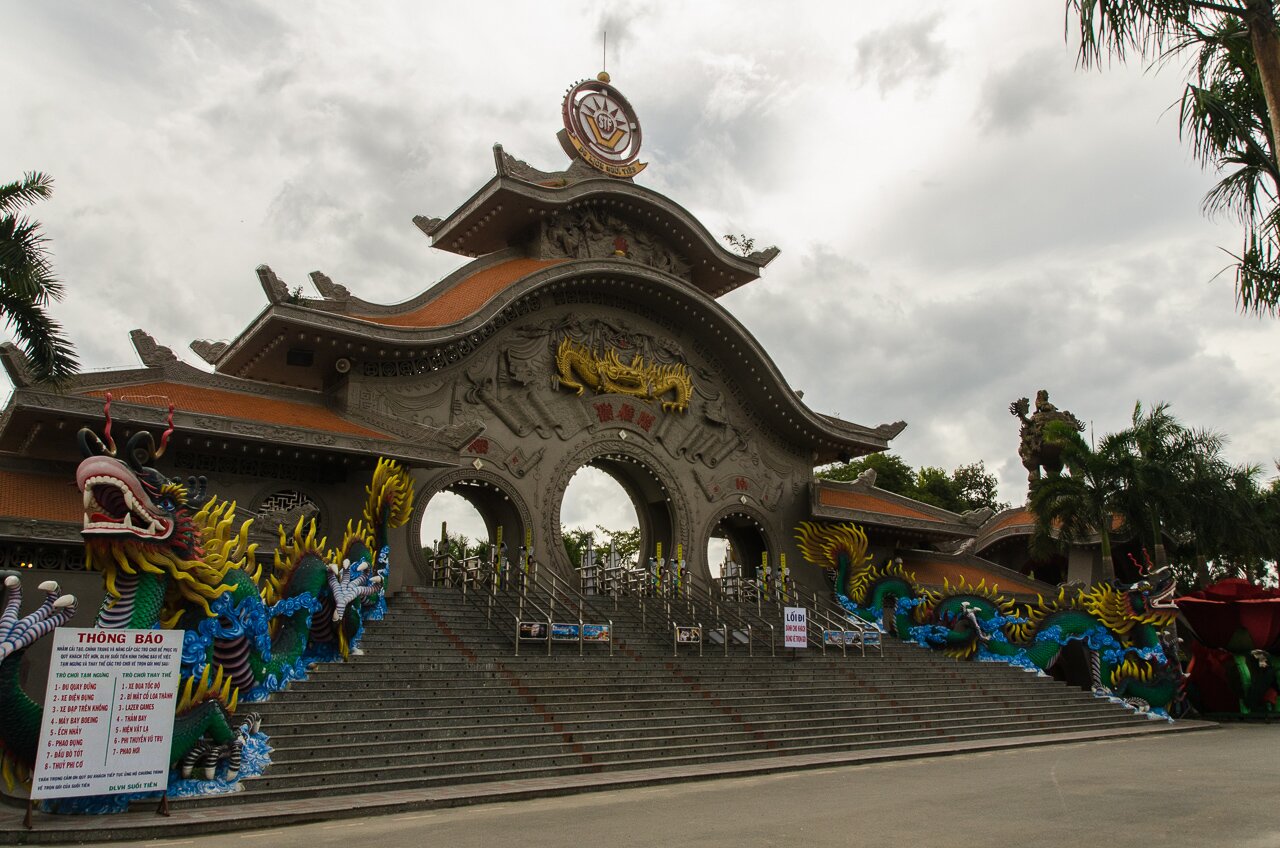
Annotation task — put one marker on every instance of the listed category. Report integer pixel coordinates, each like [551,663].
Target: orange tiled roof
[466,297]
[932,571]
[870,503]
[27,495]
[1020,517]
[236,405]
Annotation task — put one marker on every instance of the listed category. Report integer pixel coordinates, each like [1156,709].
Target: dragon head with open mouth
[138,521]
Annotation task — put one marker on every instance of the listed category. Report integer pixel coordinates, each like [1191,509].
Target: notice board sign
[796,634]
[108,712]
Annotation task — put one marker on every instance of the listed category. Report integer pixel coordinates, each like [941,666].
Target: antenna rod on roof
[604,51]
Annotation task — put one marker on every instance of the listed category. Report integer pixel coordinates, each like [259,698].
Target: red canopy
[1218,611]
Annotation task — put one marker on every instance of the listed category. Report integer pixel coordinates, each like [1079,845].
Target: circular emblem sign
[603,128]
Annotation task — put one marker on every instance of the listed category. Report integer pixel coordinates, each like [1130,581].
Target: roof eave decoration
[831,438]
[77,402]
[878,508]
[509,206]
[241,430]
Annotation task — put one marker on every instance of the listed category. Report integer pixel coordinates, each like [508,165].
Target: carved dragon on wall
[578,367]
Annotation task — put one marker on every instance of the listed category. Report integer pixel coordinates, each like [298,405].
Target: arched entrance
[597,507]
[745,545]
[659,509]
[492,503]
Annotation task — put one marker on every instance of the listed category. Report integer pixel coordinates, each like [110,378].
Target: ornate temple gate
[587,332]
[690,458]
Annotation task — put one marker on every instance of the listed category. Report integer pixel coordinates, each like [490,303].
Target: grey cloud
[1037,84]
[1007,201]
[877,350]
[901,53]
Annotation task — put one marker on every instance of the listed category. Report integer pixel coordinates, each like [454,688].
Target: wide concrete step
[459,718]
[390,779]
[439,697]
[495,691]
[371,740]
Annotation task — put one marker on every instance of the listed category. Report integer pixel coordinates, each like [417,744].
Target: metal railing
[735,619]
[546,584]
[851,629]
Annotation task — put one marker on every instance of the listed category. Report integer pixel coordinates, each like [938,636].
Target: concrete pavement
[1166,789]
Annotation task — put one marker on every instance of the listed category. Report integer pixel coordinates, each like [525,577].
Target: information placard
[796,620]
[108,712]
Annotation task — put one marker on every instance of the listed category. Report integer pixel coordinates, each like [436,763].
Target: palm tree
[27,284]
[1230,110]
[1159,457]
[1083,500]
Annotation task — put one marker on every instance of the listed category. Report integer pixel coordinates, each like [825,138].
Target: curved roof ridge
[458,296]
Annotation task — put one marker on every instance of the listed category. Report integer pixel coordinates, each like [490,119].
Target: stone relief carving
[517,461]
[429,403]
[708,438]
[149,351]
[208,350]
[519,402]
[588,233]
[328,289]
[765,491]
[273,286]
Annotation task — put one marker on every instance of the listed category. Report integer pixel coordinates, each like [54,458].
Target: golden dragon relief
[579,368]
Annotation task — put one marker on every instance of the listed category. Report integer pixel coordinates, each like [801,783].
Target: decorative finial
[603,76]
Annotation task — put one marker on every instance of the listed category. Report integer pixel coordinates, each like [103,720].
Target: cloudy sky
[964,217]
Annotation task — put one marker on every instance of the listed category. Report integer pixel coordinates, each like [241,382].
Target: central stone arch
[661,505]
[498,503]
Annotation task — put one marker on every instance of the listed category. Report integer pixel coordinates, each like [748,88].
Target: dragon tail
[389,500]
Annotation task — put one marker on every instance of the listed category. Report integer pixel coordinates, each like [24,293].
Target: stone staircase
[439,699]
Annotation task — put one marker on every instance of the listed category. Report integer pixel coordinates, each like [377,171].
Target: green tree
[968,487]
[27,284]
[576,541]
[1228,110]
[892,474]
[625,542]
[934,486]
[1084,499]
[1158,456]
[977,488]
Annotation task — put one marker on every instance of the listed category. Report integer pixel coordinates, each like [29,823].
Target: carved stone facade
[589,233]
[683,469]
[585,331]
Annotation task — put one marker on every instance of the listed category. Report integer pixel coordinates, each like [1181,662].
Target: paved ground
[1214,788]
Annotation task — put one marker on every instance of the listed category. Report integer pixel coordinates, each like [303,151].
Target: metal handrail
[845,621]
[532,584]
[812,626]
[487,608]
[699,593]
[560,585]
[748,610]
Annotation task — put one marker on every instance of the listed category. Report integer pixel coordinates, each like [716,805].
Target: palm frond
[32,187]
[51,356]
[24,265]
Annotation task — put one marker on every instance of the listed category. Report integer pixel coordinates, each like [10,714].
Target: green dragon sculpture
[173,557]
[1121,627]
